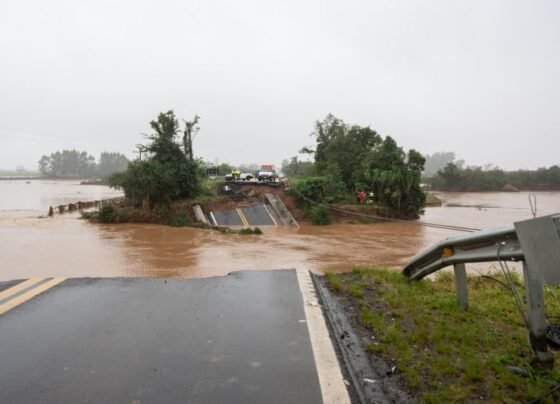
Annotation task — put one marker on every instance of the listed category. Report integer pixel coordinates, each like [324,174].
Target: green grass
[443,353]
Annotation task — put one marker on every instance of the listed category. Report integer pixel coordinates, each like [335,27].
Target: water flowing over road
[70,247]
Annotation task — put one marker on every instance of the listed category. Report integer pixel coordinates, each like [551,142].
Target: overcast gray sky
[480,78]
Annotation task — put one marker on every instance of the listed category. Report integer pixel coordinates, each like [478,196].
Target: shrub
[108,214]
[179,220]
[318,189]
[320,215]
[247,231]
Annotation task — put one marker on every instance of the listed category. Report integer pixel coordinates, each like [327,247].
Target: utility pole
[141,149]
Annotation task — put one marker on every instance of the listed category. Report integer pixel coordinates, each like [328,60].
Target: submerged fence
[78,206]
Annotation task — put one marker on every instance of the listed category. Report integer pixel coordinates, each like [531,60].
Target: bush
[318,189]
[157,182]
[247,231]
[108,214]
[320,215]
[179,220]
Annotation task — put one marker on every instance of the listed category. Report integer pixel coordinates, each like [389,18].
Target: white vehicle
[246,177]
[267,173]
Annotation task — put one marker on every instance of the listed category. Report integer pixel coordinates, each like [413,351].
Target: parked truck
[267,172]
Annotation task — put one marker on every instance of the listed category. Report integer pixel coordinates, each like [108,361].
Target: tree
[394,177]
[225,168]
[68,163]
[188,136]
[44,165]
[295,168]
[166,174]
[111,163]
[437,161]
[360,158]
[341,149]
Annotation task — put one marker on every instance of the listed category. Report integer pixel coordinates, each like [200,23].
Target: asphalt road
[255,215]
[242,338]
[227,218]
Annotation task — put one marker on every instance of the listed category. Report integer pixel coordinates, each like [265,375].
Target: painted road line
[331,380]
[30,294]
[243,218]
[267,211]
[19,287]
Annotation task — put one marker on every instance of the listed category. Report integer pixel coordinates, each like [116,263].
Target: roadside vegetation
[162,185]
[352,158]
[443,353]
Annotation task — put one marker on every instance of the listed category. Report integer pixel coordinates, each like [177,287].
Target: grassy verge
[446,354]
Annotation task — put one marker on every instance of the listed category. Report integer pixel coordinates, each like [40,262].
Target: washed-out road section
[238,338]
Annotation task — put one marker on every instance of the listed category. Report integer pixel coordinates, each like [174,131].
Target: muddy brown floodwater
[70,247]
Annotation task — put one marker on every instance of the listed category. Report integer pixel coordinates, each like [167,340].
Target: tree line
[455,177]
[80,164]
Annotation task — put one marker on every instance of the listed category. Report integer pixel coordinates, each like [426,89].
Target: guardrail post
[536,318]
[461,285]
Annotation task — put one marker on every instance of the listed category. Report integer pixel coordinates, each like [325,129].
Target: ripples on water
[68,246]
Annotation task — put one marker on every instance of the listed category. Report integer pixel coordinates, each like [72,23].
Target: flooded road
[70,247]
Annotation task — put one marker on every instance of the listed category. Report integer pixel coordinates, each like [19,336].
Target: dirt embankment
[245,194]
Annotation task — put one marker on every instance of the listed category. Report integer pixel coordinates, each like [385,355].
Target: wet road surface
[254,215]
[239,338]
[227,218]
[257,215]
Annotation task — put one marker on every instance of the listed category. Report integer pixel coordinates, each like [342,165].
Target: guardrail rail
[534,242]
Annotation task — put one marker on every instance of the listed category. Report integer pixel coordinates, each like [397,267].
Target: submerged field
[443,353]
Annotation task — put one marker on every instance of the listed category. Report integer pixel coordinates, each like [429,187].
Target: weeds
[320,215]
[255,231]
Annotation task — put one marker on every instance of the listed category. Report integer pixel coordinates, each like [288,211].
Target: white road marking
[267,211]
[331,381]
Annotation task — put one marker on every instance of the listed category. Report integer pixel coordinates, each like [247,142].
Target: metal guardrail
[481,246]
[535,242]
[281,210]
